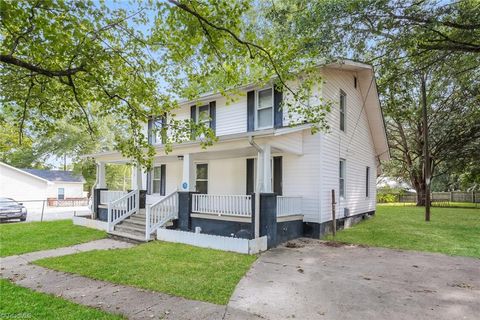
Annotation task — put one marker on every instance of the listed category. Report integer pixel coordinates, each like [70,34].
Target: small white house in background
[25,185]
[215,190]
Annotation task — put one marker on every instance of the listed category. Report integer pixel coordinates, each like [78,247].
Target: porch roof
[287,139]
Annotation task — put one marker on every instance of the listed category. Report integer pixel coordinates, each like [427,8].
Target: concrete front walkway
[131,302]
[320,281]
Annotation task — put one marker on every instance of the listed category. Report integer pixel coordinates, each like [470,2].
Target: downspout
[258,187]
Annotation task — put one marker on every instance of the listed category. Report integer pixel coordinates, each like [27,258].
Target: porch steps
[133,228]
[128,237]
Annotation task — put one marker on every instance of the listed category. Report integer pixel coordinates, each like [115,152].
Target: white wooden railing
[122,208]
[288,206]
[107,196]
[235,205]
[160,212]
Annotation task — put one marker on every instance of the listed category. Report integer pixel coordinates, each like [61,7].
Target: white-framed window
[158,180]
[343,110]
[367,182]
[61,193]
[264,108]
[201,178]
[203,115]
[342,178]
[157,125]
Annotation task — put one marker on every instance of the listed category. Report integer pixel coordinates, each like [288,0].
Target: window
[202,178]
[367,182]
[343,108]
[158,180]
[61,193]
[264,108]
[355,82]
[157,127]
[204,115]
[342,178]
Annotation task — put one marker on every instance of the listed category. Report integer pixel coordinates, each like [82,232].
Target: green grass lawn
[21,303]
[18,238]
[452,231]
[177,269]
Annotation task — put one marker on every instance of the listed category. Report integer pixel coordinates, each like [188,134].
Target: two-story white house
[258,152]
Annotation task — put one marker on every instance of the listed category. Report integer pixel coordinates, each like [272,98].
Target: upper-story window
[264,108]
[343,110]
[158,125]
[155,126]
[203,116]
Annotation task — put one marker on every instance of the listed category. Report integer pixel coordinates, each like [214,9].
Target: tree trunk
[421,192]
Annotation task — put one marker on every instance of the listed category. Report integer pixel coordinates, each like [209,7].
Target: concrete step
[136,221]
[130,228]
[138,216]
[128,236]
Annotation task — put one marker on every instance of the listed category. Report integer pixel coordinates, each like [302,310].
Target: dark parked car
[11,209]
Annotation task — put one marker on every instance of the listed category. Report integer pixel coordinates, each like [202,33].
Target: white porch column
[137,177]
[188,180]
[267,168]
[101,182]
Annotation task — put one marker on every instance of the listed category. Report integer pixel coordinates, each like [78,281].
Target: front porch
[212,192]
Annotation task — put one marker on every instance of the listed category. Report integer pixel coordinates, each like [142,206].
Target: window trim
[367,182]
[157,130]
[63,193]
[152,182]
[344,178]
[208,175]
[257,109]
[197,111]
[343,113]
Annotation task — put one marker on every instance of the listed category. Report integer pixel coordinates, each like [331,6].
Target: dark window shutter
[163,170]
[149,130]
[213,116]
[250,176]
[193,117]
[277,110]
[149,182]
[250,110]
[164,128]
[277,175]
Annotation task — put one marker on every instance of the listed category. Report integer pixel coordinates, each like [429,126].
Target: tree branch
[46,72]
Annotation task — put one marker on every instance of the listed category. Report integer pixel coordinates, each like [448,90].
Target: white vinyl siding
[355,146]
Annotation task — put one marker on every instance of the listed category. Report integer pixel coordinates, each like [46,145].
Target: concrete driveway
[319,281]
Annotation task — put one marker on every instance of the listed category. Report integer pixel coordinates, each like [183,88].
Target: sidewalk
[129,301]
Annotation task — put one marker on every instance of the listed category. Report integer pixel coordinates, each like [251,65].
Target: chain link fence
[468,199]
[44,209]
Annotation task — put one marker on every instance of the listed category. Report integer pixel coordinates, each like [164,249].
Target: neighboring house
[394,183]
[258,153]
[33,184]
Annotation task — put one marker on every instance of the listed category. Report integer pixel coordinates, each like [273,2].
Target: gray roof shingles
[56,175]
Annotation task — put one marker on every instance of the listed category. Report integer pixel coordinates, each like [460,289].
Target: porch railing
[288,206]
[107,196]
[235,205]
[160,212]
[122,208]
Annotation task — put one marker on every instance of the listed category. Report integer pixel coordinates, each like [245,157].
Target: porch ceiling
[284,140]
